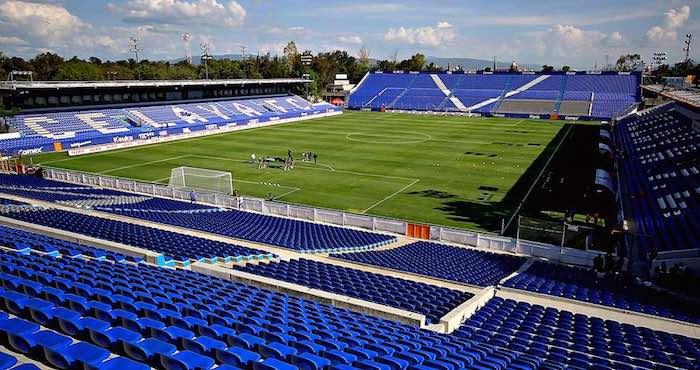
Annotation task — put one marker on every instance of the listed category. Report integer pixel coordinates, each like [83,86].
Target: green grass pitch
[467,172]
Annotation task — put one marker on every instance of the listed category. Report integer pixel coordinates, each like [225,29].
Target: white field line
[142,164]
[391,196]
[313,168]
[537,180]
[287,193]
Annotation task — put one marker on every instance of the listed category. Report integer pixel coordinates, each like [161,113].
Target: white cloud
[12,40]
[441,35]
[205,12]
[355,40]
[673,20]
[39,22]
[566,41]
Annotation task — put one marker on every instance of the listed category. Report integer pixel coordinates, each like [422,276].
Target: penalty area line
[391,196]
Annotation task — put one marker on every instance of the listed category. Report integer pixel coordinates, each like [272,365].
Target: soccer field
[468,172]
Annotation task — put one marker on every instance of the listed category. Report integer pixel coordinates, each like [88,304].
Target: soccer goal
[201,179]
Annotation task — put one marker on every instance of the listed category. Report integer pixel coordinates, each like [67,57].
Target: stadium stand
[597,95]
[434,302]
[41,132]
[179,247]
[583,285]
[660,177]
[442,261]
[24,241]
[73,313]
[577,340]
[277,231]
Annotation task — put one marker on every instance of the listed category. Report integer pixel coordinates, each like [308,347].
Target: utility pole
[135,48]
[205,57]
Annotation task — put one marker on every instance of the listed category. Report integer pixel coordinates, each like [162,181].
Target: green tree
[565,68]
[415,63]
[45,65]
[78,70]
[547,68]
[628,62]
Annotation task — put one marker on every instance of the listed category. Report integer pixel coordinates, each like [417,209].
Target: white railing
[438,233]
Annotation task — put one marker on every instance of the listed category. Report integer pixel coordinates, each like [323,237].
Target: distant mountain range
[466,63]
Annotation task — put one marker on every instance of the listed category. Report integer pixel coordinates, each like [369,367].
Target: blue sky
[578,33]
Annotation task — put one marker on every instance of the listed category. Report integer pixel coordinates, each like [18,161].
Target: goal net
[201,179]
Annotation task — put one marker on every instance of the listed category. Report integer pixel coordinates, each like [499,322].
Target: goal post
[201,179]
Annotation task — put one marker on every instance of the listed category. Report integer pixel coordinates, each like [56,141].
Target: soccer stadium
[381,215]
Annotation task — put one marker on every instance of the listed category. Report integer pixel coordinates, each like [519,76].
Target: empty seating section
[442,261]
[180,247]
[24,241]
[431,301]
[609,93]
[278,231]
[581,284]
[74,313]
[577,340]
[38,132]
[660,177]
[70,124]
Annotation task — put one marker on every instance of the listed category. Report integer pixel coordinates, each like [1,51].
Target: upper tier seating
[39,131]
[278,231]
[577,340]
[610,93]
[180,247]
[432,301]
[660,177]
[581,284]
[442,261]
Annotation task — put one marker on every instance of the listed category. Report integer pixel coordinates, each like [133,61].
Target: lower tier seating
[20,240]
[578,340]
[180,247]
[277,231]
[581,284]
[181,320]
[432,301]
[442,261]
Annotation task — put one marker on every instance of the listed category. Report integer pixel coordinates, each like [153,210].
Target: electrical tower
[186,39]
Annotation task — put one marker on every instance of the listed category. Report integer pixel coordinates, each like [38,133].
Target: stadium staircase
[508,94]
[449,95]
[562,89]
[410,84]
[369,103]
[503,94]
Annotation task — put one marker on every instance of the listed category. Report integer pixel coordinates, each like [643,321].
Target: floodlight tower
[686,48]
[134,42]
[186,39]
[205,57]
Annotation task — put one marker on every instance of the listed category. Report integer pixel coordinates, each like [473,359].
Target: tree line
[322,69]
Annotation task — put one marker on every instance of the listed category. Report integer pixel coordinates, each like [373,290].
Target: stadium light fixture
[686,48]
[136,48]
[205,57]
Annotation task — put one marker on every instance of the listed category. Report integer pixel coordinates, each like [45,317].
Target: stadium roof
[28,85]
[690,97]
